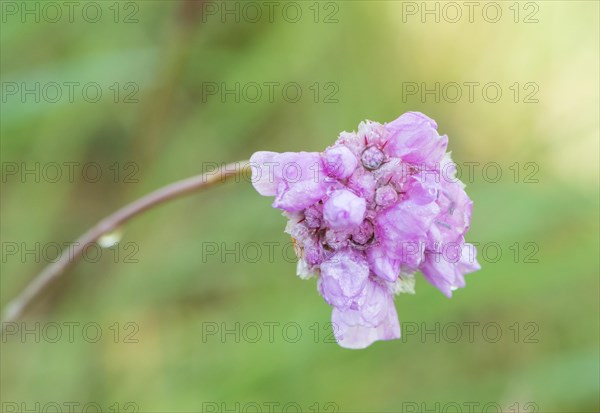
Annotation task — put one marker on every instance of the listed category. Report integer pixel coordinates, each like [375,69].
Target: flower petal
[356,329]
[343,277]
[414,138]
[344,210]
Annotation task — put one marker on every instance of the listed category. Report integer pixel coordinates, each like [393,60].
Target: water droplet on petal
[110,239]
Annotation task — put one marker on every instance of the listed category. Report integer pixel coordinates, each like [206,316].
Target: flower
[369,212]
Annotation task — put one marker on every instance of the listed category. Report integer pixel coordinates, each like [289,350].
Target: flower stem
[53,272]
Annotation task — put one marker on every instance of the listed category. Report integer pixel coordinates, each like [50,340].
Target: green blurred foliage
[175,290]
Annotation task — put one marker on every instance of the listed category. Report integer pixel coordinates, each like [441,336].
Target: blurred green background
[162,126]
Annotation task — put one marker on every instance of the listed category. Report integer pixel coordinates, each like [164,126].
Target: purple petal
[414,138]
[402,230]
[299,179]
[343,277]
[446,271]
[376,319]
[344,210]
[339,162]
[382,265]
[262,164]
[363,184]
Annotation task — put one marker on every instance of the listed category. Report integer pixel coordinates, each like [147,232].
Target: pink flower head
[367,214]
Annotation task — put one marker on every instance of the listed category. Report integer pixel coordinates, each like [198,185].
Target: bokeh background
[162,126]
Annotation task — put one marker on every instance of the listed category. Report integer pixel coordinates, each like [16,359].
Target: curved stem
[36,288]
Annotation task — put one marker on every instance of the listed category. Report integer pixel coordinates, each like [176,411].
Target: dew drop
[110,239]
